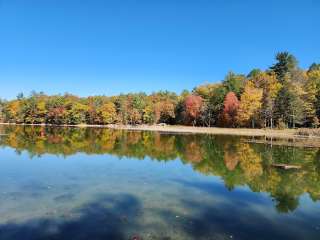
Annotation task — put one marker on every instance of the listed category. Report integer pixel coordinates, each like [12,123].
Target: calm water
[68,183]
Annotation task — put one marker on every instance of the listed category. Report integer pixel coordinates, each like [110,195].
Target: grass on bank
[308,132]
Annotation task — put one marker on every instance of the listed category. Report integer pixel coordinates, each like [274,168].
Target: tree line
[283,95]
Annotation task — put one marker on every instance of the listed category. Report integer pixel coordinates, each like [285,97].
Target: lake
[96,183]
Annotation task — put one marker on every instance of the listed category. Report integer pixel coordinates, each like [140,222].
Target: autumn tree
[77,113]
[108,113]
[11,112]
[213,98]
[250,105]
[309,98]
[206,91]
[267,81]
[56,111]
[137,104]
[164,111]
[193,106]
[148,115]
[122,107]
[313,89]
[165,104]
[230,109]
[29,110]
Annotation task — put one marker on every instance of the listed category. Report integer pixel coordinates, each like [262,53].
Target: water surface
[72,183]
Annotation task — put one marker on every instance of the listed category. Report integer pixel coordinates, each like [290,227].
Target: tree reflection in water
[237,162]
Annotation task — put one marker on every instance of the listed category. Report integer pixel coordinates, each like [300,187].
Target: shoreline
[286,133]
[285,137]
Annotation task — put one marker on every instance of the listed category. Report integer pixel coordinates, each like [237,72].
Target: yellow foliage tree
[268,82]
[12,111]
[311,98]
[108,113]
[250,105]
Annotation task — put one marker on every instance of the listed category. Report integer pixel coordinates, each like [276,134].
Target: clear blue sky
[108,47]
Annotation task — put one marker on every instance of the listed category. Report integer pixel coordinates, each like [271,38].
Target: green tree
[314,67]
[216,103]
[289,105]
[234,83]
[286,62]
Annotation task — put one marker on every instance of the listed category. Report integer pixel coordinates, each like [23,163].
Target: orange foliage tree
[230,109]
[193,105]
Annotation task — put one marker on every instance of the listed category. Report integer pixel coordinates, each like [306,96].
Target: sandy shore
[285,137]
[288,133]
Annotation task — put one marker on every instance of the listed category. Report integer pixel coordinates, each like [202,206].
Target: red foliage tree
[231,105]
[56,115]
[193,106]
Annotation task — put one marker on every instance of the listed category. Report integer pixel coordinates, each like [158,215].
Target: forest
[282,96]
